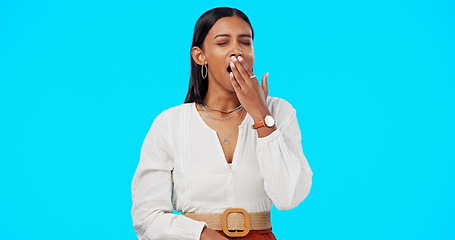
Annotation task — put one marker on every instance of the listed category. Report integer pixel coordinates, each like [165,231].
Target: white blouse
[182,166]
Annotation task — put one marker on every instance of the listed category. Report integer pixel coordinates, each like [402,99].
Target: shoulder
[281,110]
[279,106]
[175,112]
[172,116]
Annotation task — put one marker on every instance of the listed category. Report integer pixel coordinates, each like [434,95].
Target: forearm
[287,175]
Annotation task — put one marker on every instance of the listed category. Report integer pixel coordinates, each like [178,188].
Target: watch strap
[258,124]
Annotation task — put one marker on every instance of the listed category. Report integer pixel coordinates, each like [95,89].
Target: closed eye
[220,44]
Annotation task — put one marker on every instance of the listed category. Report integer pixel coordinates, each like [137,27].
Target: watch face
[269,121]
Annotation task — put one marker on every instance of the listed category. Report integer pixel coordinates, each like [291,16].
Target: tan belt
[235,222]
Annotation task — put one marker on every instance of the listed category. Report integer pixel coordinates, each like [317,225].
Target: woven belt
[234,222]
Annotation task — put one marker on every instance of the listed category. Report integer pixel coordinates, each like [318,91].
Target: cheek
[218,60]
[250,60]
[249,57]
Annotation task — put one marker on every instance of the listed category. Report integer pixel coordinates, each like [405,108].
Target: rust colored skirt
[255,235]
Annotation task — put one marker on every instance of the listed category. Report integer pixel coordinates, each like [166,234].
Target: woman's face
[229,36]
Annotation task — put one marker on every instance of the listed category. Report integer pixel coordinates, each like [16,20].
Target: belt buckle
[224,222]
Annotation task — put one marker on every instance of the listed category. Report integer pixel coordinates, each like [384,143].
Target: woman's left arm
[287,175]
[286,172]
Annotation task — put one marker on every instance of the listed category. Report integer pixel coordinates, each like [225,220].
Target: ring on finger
[253,76]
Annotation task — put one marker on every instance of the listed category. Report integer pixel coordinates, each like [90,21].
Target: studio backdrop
[372,82]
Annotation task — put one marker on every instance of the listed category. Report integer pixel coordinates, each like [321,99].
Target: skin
[227,43]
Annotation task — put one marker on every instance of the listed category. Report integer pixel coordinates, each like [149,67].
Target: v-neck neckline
[215,134]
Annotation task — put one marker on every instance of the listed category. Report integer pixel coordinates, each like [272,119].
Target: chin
[228,86]
[225,82]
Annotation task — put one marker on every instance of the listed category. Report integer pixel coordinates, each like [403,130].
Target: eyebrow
[227,35]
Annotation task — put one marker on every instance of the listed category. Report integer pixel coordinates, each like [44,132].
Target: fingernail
[233,58]
[240,58]
[232,64]
[231,74]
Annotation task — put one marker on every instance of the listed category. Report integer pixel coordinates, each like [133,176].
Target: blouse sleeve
[286,172]
[152,210]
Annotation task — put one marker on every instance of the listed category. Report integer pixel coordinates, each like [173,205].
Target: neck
[221,100]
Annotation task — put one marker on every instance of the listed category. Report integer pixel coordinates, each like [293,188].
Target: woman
[227,154]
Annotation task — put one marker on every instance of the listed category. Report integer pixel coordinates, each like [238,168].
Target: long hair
[198,86]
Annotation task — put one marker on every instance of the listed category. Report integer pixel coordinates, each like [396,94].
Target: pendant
[226,141]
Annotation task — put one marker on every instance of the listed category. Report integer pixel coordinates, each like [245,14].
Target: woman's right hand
[209,234]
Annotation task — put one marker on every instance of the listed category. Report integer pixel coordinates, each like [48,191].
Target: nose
[237,51]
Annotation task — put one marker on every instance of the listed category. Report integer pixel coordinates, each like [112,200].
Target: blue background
[82,81]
